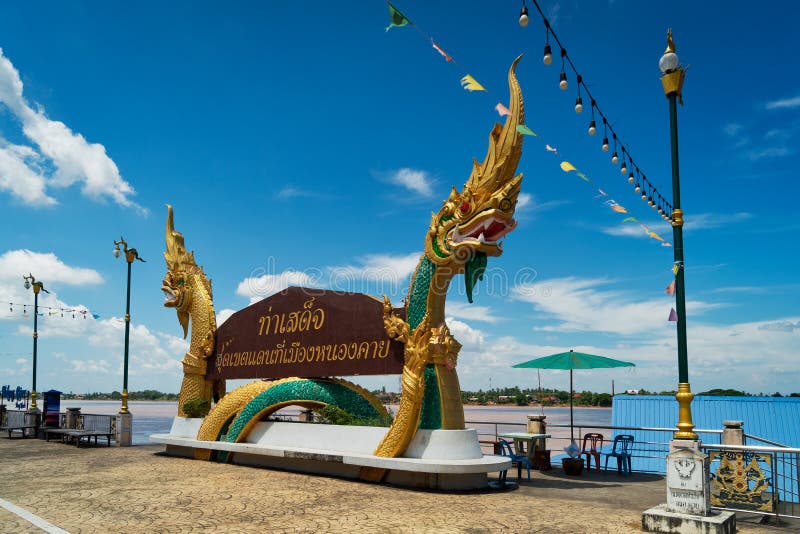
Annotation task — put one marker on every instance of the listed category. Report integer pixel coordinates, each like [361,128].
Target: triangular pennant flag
[551,149]
[675,269]
[471,84]
[655,236]
[582,176]
[630,219]
[95,316]
[670,289]
[566,166]
[442,52]
[502,110]
[396,18]
[524,130]
[665,244]
[618,208]
[602,193]
[673,315]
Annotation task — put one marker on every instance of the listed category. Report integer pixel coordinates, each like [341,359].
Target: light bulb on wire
[562,82]
[592,127]
[523,15]
[578,105]
[605,144]
[548,55]
[614,158]
[630,178]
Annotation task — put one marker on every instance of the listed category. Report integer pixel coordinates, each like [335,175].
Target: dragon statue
[187,289]
[467,229]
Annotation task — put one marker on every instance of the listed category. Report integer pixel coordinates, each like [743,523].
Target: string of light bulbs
[52,311]
[636,177]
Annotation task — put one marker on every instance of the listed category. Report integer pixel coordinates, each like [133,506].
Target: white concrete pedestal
[124,435]
[688,508]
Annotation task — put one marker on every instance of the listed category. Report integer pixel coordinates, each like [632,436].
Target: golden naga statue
[187,289]
[468,228]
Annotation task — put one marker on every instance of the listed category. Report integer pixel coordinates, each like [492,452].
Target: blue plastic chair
[519,459]
[621,451]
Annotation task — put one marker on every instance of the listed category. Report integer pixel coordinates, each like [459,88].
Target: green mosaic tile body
[418,297]
[431,416]
[311,390]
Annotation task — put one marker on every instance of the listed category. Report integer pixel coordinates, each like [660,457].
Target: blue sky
[301,143]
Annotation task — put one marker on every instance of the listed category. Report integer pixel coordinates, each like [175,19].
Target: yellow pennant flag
[655,236]
[566,166]
[471,84]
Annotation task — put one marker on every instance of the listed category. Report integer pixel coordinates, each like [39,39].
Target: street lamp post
[37,286]
[131,254]
[672,74]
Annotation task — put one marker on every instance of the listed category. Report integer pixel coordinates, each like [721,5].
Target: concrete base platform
[436,459]
[659,519]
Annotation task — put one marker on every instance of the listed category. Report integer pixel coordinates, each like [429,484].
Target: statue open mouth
[170,298]
[484,231]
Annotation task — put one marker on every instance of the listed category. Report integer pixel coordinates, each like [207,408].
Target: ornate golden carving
[189,291]
[470,222]
[740,482]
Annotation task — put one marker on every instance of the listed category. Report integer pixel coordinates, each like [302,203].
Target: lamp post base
[123,410]
[32,407]
[124,435]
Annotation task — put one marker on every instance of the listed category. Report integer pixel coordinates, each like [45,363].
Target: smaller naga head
[181,273]
[472,223]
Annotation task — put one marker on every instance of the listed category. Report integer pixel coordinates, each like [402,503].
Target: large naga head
[179,282]
[471,223]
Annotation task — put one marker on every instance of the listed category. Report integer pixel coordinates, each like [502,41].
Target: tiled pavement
[135,489]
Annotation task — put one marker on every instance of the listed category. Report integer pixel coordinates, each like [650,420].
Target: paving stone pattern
[137,489]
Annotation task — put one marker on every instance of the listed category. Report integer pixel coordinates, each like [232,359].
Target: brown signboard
[309,333]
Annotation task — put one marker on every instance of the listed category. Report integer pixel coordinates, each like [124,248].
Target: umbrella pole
[571,424]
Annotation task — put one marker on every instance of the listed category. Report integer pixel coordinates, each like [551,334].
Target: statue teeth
[481,239]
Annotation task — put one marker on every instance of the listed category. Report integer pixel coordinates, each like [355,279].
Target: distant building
[632,391]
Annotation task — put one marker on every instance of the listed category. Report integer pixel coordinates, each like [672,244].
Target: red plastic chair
[595,442]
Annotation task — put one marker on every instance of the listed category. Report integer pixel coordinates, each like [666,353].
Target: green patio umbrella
[572,360]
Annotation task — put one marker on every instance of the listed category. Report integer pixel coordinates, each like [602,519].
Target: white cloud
[260,287]
[63,158]
[769,152]
[699,221]
[580,306]
[20,175]
[629,230]
[706,221]
[471,312]
[388,268]
[45,266]
[293,192]
[224,315]
[413,180]
[48,268]
[732,129]
[785,103]
[471,339]
[527,202]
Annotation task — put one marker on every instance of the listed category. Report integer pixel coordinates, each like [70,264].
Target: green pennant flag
[630,219]
[524,130]
[396,18]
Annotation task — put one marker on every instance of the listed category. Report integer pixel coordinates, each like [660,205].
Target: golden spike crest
[505,146]
[176,256]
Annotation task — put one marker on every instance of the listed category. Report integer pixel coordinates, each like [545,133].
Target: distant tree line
[550,397]
[146,395]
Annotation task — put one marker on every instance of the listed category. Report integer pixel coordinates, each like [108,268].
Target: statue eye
[505,204]
[181,282]
[464,207]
